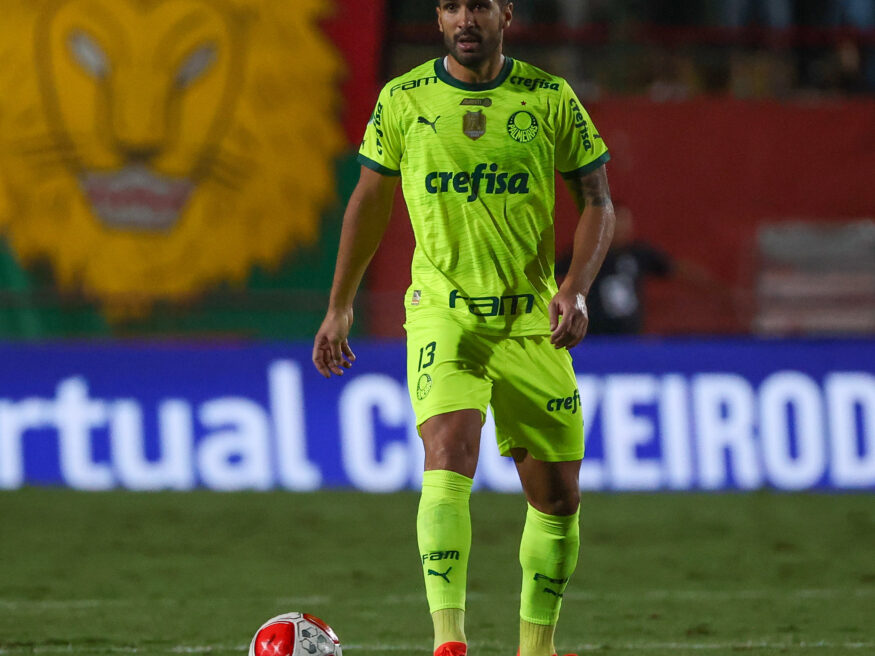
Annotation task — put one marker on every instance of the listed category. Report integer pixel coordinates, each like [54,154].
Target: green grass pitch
[197,573]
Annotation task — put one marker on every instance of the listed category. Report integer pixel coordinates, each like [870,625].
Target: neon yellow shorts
[530,385]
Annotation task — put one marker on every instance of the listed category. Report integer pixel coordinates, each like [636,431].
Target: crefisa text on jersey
[470,183]
[532,84]
[377,121]
[581,124]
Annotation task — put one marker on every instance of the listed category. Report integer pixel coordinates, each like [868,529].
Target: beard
[482,47]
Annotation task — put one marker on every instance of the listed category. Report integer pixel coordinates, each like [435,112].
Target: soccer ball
[295,634]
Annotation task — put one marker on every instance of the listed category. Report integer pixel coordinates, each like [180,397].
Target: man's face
[473,29]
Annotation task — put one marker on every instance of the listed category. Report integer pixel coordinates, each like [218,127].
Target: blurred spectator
[674,77]
[856,60]
[766,49]
[573,13]
[847,63]
[774,14]
[858,13]
[565,57]
[674,12]
[615,302]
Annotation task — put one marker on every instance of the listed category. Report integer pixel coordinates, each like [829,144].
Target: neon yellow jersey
[477,166]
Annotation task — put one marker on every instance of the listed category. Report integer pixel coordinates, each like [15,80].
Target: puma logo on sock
[443,575]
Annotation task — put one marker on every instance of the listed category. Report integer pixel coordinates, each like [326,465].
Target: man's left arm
[592,238]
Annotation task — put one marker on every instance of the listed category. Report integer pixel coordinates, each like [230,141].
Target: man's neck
[486,72]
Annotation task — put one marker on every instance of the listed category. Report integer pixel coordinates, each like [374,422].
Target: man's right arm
[364,223]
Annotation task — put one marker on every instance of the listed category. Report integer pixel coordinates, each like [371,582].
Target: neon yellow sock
[443,528]
[536,639]
[548,555]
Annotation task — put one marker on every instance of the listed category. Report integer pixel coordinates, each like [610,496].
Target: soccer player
[475,138]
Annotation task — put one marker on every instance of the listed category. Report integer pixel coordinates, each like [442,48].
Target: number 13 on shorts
[426,355]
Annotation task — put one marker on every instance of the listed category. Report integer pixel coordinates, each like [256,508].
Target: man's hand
[568,319]
[331,352]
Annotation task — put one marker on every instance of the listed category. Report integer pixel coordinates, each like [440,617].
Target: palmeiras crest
[474,124]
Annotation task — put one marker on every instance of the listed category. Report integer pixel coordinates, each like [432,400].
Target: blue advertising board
[659,415]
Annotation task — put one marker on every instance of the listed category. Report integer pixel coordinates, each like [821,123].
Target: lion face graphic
[149,148]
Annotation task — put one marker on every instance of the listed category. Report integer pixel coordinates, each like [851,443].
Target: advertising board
[658,415]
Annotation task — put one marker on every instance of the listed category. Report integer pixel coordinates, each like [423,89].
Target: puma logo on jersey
[486,178]
[425,121]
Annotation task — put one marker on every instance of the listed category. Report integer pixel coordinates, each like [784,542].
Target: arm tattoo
[592,189]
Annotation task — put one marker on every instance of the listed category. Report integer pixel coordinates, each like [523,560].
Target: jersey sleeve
[381,147]
[579,147]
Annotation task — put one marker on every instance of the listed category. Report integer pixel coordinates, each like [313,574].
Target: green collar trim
[444,76]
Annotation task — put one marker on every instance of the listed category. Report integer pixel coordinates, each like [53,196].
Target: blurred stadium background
[173,175]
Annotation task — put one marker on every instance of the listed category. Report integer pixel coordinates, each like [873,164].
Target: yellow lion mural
[149,148]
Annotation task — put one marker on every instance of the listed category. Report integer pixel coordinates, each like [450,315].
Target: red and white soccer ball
[295,634]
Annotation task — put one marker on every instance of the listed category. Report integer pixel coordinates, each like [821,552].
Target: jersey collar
[444,76]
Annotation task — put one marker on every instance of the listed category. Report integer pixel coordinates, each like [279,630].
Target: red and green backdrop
[206,198]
